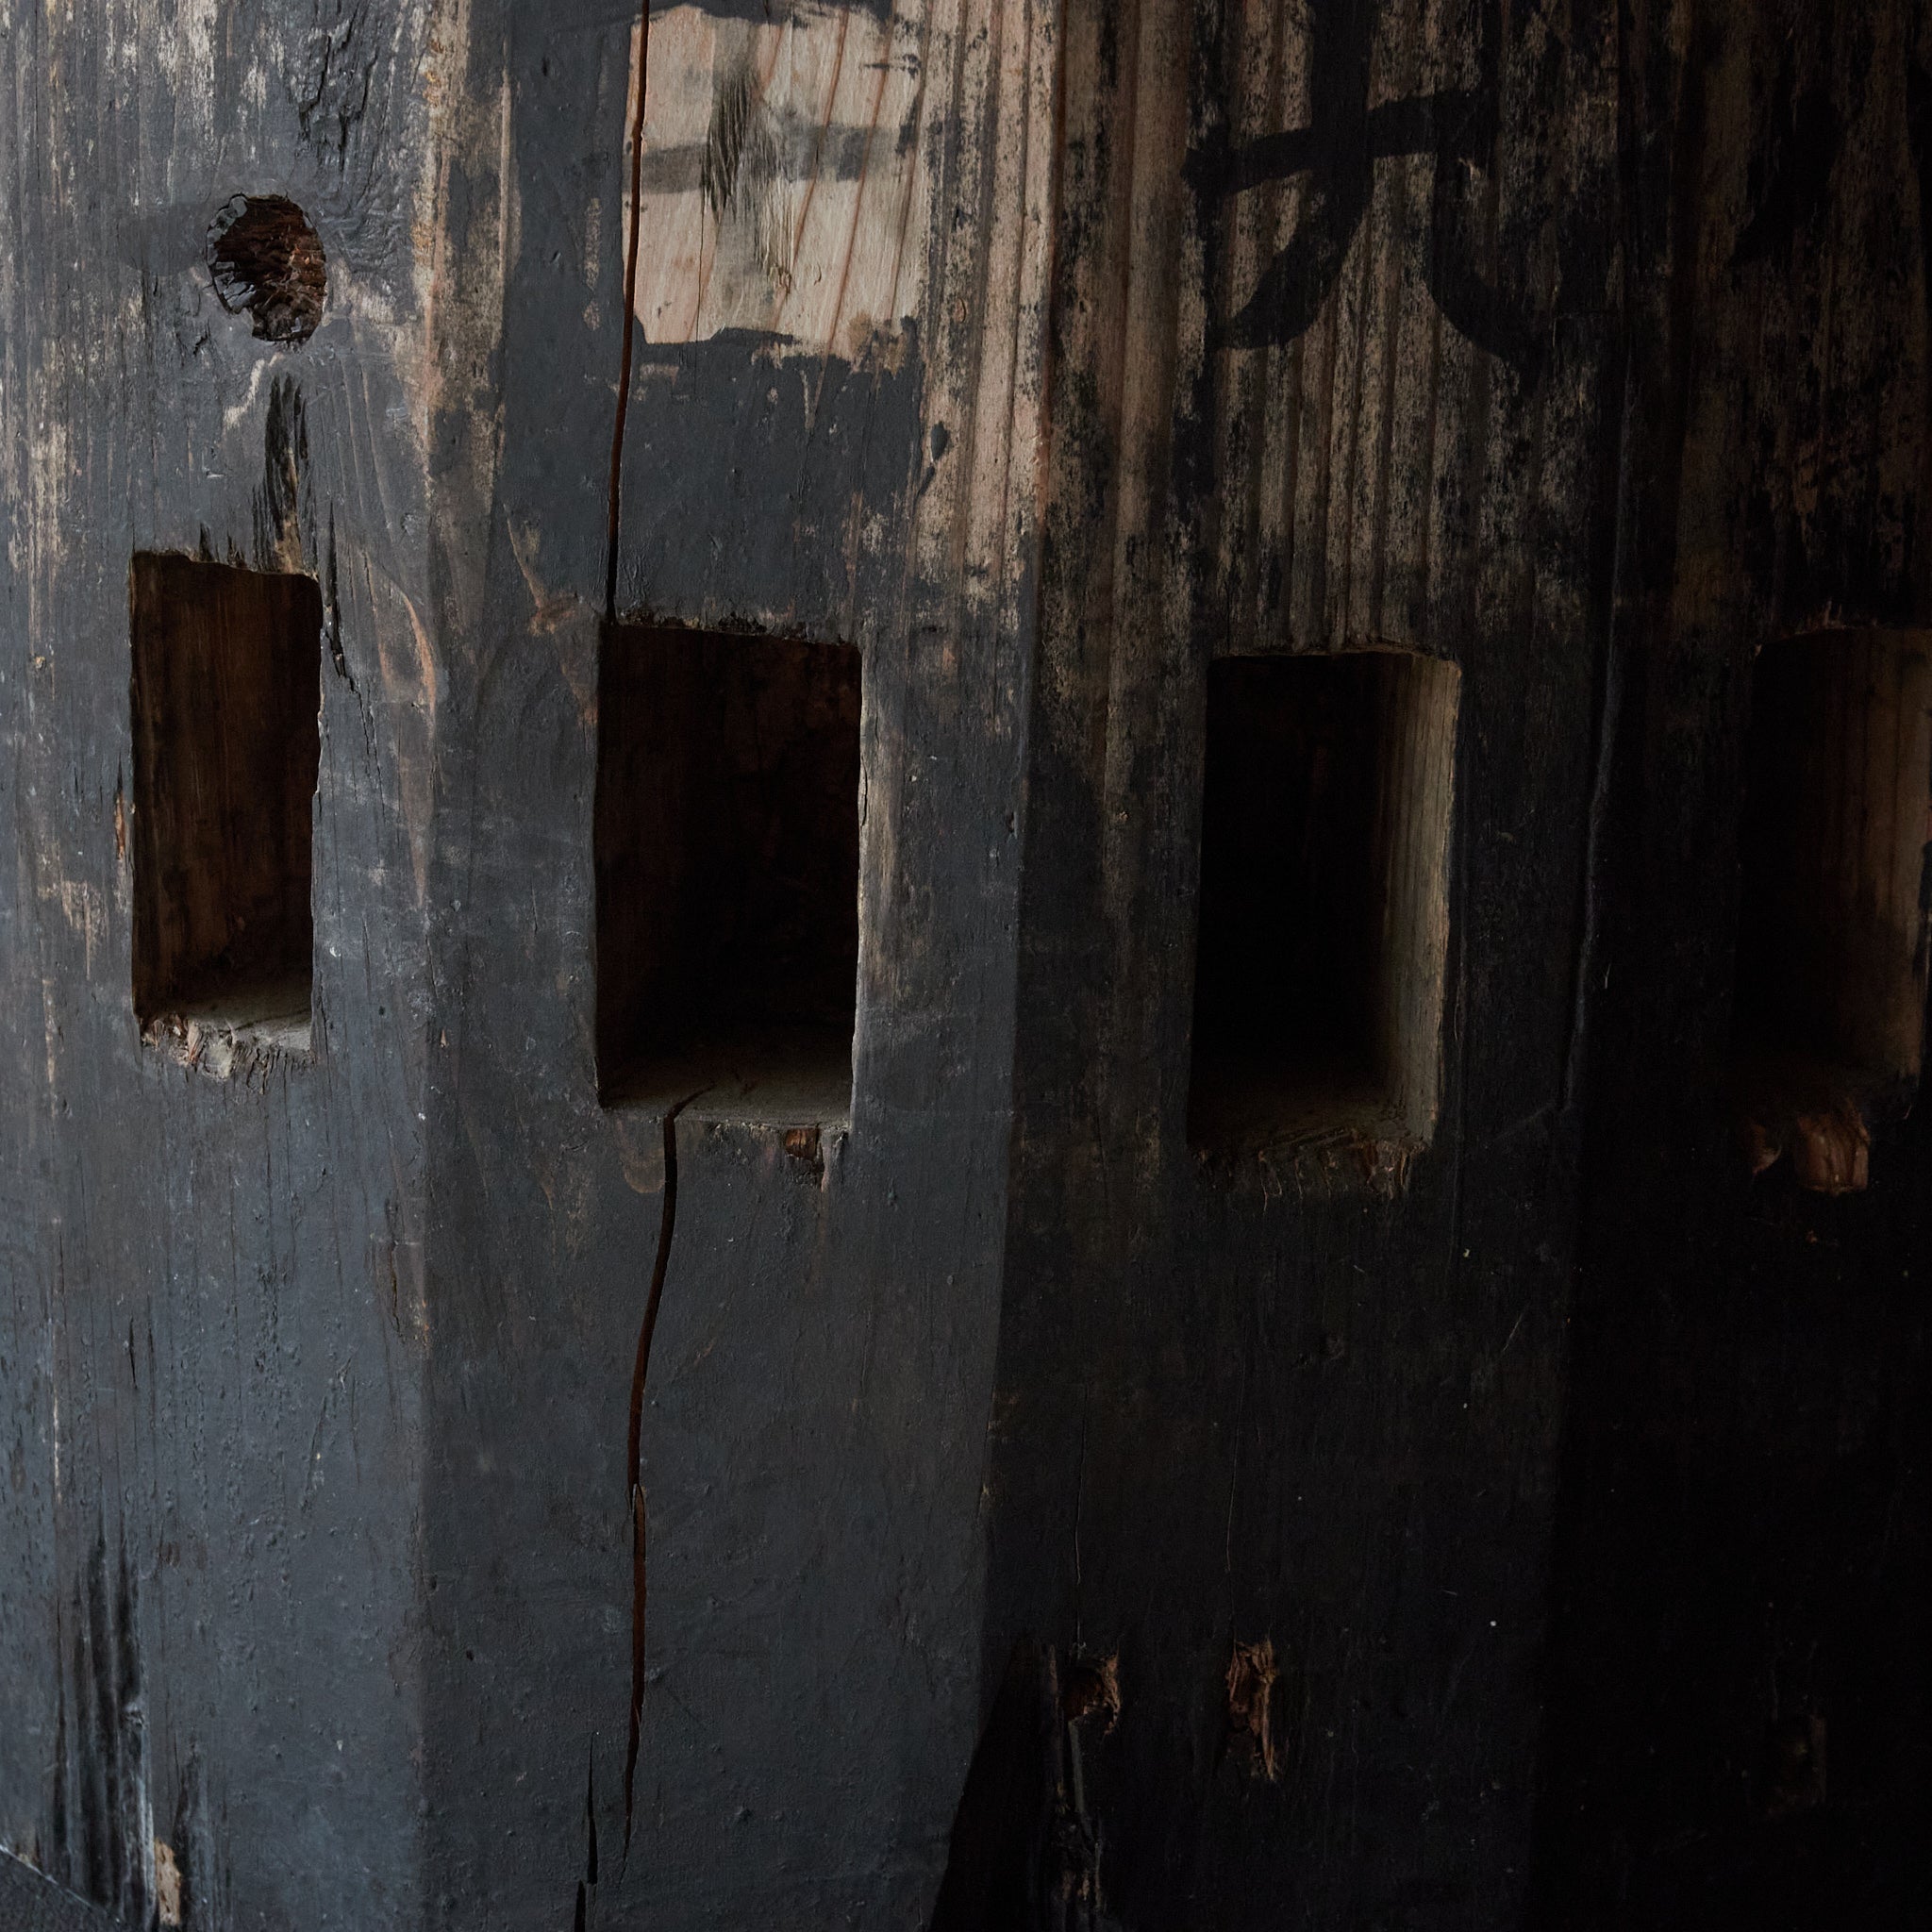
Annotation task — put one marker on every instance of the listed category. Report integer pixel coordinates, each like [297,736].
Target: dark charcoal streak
[634,1462]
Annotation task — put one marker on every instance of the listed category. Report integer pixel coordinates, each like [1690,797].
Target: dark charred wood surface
[212,1315]
[30,1902]
[1506,1512]
[1311,1397]
[1739,1703]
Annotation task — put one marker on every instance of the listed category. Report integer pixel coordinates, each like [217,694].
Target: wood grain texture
[1287,1399]
[211,1315]
[1358,1529]
[812,1438]
[786,186]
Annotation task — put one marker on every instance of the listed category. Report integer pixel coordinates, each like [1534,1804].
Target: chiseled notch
[225,696]
[727,872]
[1829,1015]
[1324,920]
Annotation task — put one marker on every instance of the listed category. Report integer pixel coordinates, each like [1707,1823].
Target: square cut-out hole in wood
[1324,921]
[1829,1014]
[226,697]
[727,872]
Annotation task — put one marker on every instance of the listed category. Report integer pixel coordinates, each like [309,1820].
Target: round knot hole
[267,260]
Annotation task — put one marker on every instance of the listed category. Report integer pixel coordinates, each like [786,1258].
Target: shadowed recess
[1325,910]
[727,872]
[1828,1021]
[226,697]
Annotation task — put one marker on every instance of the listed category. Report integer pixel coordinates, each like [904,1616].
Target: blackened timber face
[744,470]
[1253,1405]
[1738,1695]
[809,1437]
[209,1340]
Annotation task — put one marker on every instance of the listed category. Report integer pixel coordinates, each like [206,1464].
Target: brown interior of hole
[1324,909]
[1830,990]
[727,871]
[226,697]
[268,259]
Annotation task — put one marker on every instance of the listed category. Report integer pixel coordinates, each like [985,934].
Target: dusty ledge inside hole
[762,1078]
[242,1031]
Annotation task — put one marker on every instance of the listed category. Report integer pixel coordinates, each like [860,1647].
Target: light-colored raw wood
[785,172]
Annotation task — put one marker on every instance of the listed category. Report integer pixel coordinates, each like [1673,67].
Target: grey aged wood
[971,1495]
[30,1902]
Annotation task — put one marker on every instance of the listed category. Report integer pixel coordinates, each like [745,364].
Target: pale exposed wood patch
[781,173]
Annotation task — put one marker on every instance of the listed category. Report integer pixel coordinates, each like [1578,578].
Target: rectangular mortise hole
[226,696]
[726,859]
[1325,908]
[1830,986]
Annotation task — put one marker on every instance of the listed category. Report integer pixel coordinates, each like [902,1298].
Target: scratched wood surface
[1047,1524]
[785,175]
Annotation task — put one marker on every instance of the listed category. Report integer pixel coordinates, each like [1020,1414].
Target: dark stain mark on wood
[591,1822]
[268,264]
[732,117]
[333,607]
[101,1839]
[285,456]
[192,1846]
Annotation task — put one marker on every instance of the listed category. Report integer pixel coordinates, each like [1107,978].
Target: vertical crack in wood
[667,1221]
[630,308]
[591,1822]
[1605,742]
